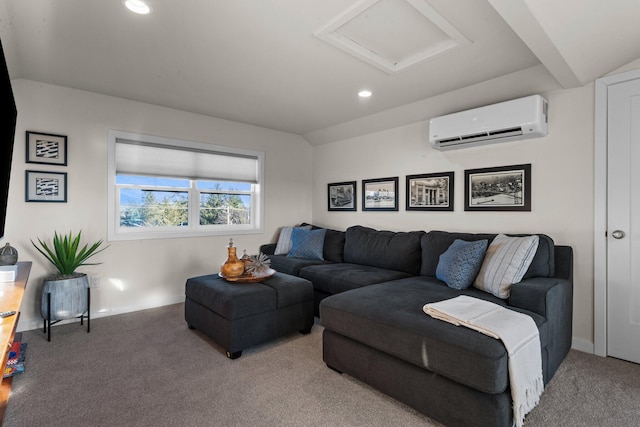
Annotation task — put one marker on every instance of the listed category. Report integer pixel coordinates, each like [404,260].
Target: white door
[623,221]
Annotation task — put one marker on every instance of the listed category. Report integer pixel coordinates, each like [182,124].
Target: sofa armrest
[534,294]
[564,262]
[552,298]
[268,249]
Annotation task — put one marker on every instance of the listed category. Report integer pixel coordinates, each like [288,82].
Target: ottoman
[240,315]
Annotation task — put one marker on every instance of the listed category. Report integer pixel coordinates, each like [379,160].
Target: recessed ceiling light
[364,93]
[137,6]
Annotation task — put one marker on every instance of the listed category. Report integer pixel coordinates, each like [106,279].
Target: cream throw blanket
[519,334]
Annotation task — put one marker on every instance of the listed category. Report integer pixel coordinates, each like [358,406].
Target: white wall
[562,185]
[144,273]
[147,273]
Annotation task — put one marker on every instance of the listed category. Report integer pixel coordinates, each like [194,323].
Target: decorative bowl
[249,277]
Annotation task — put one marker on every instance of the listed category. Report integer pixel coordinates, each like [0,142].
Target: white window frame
[115,232]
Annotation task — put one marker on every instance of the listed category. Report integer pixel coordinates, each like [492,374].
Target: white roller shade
[137,158]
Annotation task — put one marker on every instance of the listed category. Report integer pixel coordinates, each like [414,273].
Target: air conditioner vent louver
[443,141]
[474,136]
[507,132]
[507,121]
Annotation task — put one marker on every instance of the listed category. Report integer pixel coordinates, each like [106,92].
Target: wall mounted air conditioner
[521,118]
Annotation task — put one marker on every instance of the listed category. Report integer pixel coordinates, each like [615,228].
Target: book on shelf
[15,361]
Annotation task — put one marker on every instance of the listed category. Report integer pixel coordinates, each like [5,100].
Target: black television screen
[7,134]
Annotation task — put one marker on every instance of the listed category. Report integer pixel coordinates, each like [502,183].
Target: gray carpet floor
[148,369]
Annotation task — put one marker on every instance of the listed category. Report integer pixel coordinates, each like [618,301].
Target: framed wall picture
[46,186]
[380,194]
[506,188]
[341,196]
[430,192]
[46,148]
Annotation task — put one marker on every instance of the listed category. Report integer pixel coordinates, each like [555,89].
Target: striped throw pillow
[284,240]
[505,263]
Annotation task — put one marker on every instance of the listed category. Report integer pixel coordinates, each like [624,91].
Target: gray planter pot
[69,297]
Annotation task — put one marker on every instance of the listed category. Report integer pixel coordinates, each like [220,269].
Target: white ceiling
[259,61]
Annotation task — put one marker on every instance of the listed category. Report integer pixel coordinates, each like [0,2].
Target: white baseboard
[137,307]
[38,324]
[582,345]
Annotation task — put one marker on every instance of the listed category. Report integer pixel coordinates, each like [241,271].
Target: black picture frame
[342,196]
[380,194]
[45,186]
[46,148]
[504,188]
[430,192]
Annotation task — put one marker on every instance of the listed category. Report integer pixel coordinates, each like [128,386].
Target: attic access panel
[392,34]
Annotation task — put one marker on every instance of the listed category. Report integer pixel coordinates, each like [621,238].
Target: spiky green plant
[66,254]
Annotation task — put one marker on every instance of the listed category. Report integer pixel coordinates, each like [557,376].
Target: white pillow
[505,263]
[284,240]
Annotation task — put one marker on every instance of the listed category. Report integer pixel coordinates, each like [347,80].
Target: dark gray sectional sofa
[369,293]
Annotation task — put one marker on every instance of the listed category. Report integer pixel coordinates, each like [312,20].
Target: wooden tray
[250,278]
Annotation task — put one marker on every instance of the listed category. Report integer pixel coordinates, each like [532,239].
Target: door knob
[618,234]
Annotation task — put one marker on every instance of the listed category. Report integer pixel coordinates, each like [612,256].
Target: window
[160,188]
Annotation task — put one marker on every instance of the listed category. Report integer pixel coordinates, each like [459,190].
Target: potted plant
[66,294]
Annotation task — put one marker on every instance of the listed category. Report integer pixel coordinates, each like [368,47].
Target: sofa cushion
[400,328]
[340,277]
[307,244]
[290,265]
[543,263]
[435,243]
[333,243]
[506,261]
[460,264]
[284,239]
[398,251]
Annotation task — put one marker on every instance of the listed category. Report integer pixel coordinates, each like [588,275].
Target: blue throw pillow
[284,240]
[459,265]
[308,244]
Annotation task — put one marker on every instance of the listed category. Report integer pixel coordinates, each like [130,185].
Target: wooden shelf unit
[10,300]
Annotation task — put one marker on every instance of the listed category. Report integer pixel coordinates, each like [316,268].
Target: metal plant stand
[68,300]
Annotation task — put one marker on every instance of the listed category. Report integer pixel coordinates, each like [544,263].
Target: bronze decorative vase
[232,267]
